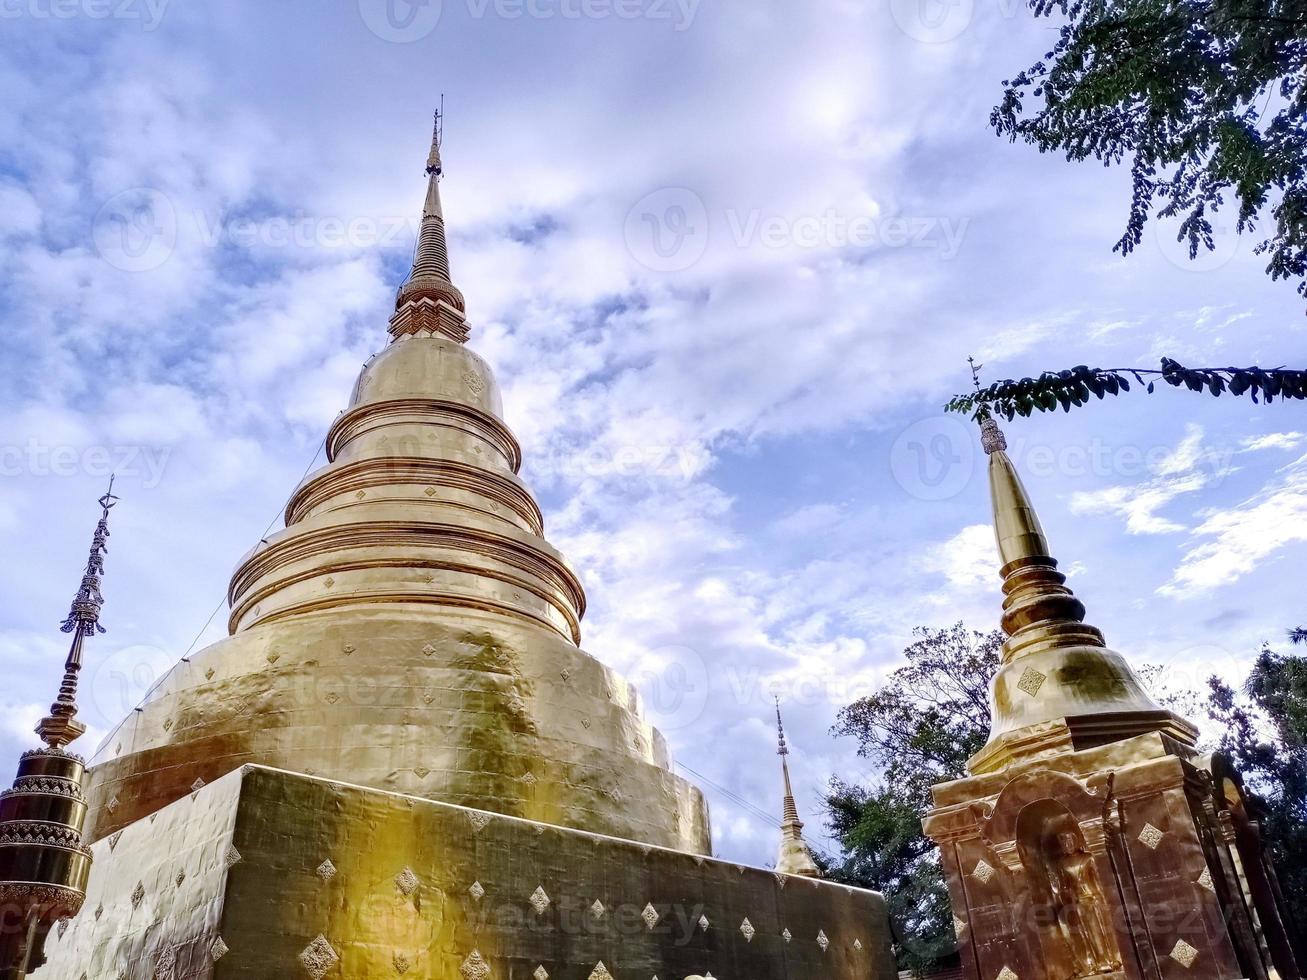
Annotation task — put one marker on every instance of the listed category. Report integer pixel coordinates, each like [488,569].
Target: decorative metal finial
[780,727]
[975,372]
[434,166]
[992,439]
[61,726]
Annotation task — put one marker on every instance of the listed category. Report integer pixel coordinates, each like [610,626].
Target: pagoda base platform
[270,874]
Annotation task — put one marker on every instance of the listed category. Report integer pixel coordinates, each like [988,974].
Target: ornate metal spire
[795,858]
[61,726]
[428,302]
[1060,686]
[44,861]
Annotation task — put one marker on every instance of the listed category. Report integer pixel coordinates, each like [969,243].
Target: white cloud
[1236,541]
[1187,469]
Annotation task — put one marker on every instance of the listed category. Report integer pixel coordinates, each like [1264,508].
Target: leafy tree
[1265,728]
[921,727]
[1076,386]
[1204,98]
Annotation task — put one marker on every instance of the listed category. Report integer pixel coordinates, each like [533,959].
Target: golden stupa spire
[1059,685]
[428,302]
[44,861]
[795,858]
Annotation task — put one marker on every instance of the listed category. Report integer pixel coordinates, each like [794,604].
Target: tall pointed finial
[795,858]
[434,166]
[428,303]
[1059,686]
[61,726]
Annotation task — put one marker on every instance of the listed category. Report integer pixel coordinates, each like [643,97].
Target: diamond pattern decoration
[232,857]
[328,581]
[959,927]
[99,911]
[218,949]
[117,835]
[857,944]
[318,958]
[326,870]
[540,900]
[181,877]
[273,657]
[197,785]
[428,650]
[402,964]
[597,910]
[822,941]
[1031,681]
[430,491]
[787,935]
[650,916]
[1184,954]
[475,967]
[748,931]
[1007,973]
[704,924]
[112,805]
[984,873]
[601,972]
[541,973]
[138,896]
[208,674]
[1205,880]
[477,891]
[1151,837]
[479,821]
[407,882]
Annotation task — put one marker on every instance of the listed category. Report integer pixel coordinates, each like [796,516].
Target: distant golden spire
[795,858]
[428,301]
[1060,686]
[61,726]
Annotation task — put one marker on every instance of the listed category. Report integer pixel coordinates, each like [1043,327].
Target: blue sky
[728,260]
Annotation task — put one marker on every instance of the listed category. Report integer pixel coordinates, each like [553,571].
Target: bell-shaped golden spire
[428,302]
[795,858]
[1059,687]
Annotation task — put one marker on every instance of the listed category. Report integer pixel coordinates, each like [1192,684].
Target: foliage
[921,727]
[1265,738]
[1075,387]
[1204,98]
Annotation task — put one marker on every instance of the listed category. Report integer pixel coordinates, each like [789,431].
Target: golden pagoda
[1092,837]
[795,858]
[401,762]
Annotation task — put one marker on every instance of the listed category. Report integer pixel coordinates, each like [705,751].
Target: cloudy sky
[729,259]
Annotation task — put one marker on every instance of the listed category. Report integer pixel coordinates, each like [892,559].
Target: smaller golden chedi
[44,861]
[1093,838]
[795,858]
